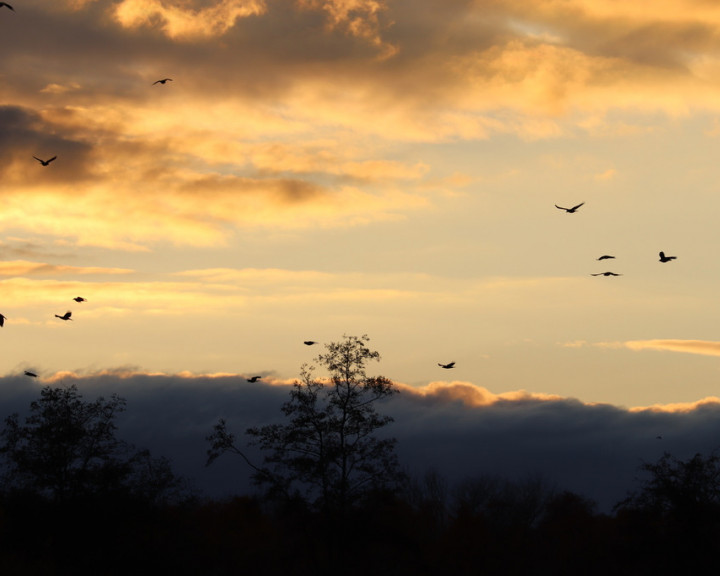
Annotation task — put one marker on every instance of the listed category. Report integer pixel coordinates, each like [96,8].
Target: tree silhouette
[329,452]
[678,488]
[66,448]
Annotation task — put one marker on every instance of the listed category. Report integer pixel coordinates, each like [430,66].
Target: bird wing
[51,159]
[578,206]
[662,254]
[560,207]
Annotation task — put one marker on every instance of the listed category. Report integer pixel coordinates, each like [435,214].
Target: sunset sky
[383,167]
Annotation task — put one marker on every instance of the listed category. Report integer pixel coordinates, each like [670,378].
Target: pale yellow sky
[366,166]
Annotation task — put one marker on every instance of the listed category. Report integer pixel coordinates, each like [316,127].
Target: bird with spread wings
[570,210]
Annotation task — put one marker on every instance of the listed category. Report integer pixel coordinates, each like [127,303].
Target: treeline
[332,499]
[503,528]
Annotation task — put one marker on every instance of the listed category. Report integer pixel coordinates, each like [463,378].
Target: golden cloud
[27,268]
[678,407]
[703,347]
[472,395]
[359,18]
[180,21]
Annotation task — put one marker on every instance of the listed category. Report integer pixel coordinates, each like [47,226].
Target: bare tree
[329,451]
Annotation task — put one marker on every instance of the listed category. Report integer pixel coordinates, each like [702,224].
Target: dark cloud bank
[594,450]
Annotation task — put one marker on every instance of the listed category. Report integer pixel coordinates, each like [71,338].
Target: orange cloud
[358,17]
[679,407]
[703,347]
[185,23]
[26,268]
[472,395]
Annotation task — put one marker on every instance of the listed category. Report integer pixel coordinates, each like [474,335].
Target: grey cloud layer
[592,449]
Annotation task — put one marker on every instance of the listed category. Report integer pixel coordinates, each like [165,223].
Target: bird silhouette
[80,299]
[570,210]
[309,342]
[254,379]
[31,374]
[44,162]
[8,5]
[664,258]
[606,274]
[447,366]
[65,316]
[2,320]
[162,81]
[605,257]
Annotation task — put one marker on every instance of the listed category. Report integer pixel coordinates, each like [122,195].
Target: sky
[383,167]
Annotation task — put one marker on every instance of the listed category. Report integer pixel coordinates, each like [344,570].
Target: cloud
[60,88]
[471,395]
[180,20]
[25,134]
[27,268]
[608,174]
[704,347]
[459,429]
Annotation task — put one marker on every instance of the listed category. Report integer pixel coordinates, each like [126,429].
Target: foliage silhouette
[677,488]
[329,452]
[67,449]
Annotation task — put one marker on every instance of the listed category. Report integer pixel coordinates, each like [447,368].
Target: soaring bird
[606,274]
[664,258]
[309,342]
[44,162]
[8,5]
[605,257]
[31,374]
[65,316]
[162,81]
[254,379]
[80,299]
[447,366]
[570,210]
[2,320]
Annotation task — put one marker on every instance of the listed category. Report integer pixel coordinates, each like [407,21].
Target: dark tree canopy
[66,448]
[328,451]
[679,489]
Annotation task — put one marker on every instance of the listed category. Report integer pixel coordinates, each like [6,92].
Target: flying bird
[8,5]
[80,299]
[309,342]
[2,320]
[570,210]
[65,316]
[162,81]
[44,162]
[664,258]
[254,379]
[31,374]
[447,366]
[606,274]
[605,257]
